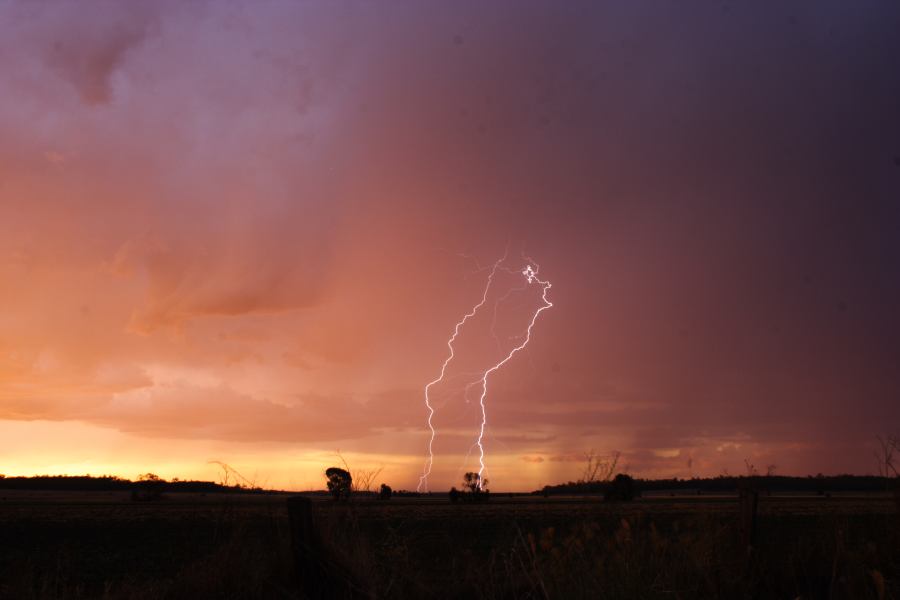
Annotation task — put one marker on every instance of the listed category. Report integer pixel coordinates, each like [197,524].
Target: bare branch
[230,473]
[599,468]
[363,479]
[886,456]
[751,469]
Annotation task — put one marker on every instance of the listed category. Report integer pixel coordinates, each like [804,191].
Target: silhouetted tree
[454,495]
[472,482]
[621,489]
[339,482]
[476,486]
[386,492]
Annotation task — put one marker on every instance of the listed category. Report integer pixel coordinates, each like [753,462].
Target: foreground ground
[87,545]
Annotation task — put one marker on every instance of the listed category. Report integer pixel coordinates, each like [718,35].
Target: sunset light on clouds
[243,232]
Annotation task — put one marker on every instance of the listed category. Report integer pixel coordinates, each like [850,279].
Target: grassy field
[104,545]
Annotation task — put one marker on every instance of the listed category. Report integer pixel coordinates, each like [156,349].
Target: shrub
[386,492]
[621,489]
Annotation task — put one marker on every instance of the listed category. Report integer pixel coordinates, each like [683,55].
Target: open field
[102,544]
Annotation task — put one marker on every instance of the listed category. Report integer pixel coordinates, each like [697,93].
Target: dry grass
[524,548]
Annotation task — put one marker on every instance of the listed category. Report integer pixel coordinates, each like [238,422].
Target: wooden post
[322,573]
[306,547]
[749,501]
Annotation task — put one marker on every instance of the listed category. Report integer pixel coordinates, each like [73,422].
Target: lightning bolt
[426,471]
[531,276]
[497,304]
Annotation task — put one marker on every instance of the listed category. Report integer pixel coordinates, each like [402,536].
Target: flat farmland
[103,544]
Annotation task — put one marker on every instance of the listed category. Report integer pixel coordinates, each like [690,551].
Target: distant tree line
[109,483]
[727,483]
[721,484]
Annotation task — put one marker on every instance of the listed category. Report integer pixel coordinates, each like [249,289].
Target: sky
[244,232]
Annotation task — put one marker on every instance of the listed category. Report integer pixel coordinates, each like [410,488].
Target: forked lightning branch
[530,273]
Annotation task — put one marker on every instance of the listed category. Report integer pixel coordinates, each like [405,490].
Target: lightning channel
[429,462]
[531,275]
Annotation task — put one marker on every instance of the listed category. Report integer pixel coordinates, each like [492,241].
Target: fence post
[323,573]
[306,547]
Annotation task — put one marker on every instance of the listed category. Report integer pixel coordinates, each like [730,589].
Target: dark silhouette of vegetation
[454,495]
[230,474]
[621,489]
[817,484]
[340,483]
[473,483]
[149,487]
[599,468]
[887,456]
[386,492]
[108,483]
[888,460]
[476,488]
[361,479]
[730,484]
[805,548]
